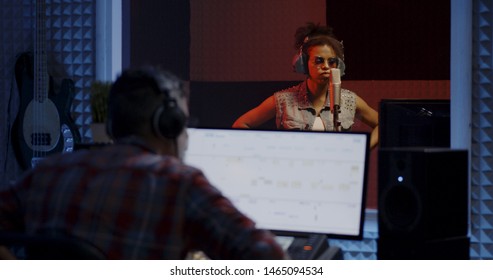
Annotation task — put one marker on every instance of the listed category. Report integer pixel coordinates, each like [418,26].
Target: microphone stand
[337,122]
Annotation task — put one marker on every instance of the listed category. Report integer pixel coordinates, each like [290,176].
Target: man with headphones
[135,198]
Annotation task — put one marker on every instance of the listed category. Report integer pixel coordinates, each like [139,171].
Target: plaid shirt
[133,204]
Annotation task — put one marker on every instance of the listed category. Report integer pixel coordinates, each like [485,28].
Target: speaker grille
[401,208]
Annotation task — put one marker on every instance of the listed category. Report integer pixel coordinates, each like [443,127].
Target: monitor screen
[290,182]
[414,123]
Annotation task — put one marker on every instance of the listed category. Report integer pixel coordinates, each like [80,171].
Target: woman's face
[320,60]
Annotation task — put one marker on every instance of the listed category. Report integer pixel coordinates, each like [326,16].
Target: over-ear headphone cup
[169,120]
[300,63]
[304,58]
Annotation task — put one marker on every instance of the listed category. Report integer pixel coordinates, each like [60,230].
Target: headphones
[300,61]
[168,120]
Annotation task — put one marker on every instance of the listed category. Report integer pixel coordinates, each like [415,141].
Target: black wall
[158,32]
[393,40]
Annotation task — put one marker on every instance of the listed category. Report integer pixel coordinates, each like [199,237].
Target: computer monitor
[293,183]
[414,123]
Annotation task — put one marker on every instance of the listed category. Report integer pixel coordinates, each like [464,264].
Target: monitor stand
[311,247]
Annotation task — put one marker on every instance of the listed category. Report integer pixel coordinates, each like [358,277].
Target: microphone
[336,85]
[336,90]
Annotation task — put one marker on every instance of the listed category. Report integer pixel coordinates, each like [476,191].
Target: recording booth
[304,186]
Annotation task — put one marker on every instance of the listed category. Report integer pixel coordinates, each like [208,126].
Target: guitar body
[43,125]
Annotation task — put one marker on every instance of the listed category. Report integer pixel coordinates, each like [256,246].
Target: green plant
[99,101]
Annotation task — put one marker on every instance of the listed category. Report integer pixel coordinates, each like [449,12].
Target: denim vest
[294,111]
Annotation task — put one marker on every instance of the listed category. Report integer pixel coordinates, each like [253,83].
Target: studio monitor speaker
[422,197]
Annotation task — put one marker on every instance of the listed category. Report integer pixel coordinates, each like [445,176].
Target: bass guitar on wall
[43,124]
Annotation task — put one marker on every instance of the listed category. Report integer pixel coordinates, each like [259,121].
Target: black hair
[316,35]
[134,97]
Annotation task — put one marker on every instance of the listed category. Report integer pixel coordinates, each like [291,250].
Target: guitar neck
[40,58]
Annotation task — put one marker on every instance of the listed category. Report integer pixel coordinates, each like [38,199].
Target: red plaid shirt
[133,204]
